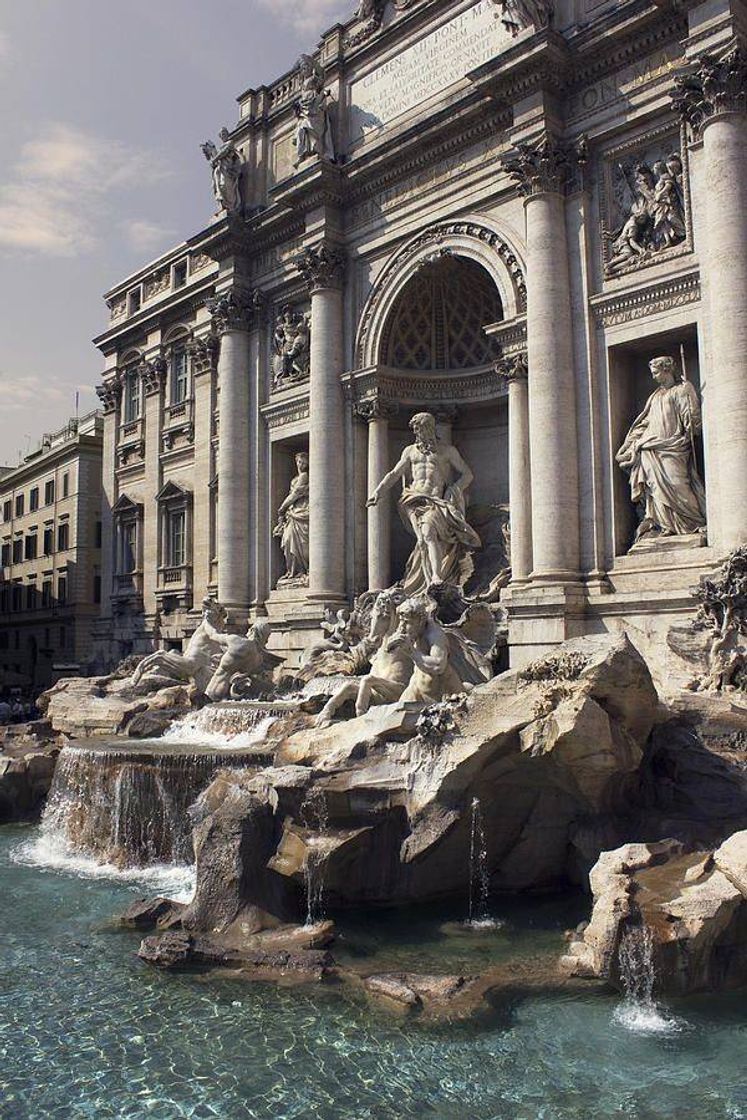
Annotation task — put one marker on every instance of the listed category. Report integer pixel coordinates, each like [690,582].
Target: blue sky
[104,106]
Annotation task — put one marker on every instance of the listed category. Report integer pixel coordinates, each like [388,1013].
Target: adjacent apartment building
[50,556]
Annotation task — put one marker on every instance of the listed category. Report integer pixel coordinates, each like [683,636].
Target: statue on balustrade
[659,455]
[293,525]
[432,505]
[291,361]
[226,166]
[313,129]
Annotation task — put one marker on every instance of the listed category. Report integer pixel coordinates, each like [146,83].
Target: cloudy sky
[104,106]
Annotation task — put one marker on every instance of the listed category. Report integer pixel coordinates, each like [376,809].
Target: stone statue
[226,165]
[656,217]
[723,611]
[292,343]
[244,664]
[432,507]
[659,455]
[313,130]
[518,14]
[293,525]
[195,664]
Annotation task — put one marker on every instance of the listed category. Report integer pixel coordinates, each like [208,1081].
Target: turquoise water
[86,1030]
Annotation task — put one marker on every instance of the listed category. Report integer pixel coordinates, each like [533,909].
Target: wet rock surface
[28,756]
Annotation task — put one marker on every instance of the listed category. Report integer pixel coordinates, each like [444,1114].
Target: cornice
[184,302]
[637,303]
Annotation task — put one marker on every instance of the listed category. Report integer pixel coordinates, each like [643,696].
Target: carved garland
[438,236]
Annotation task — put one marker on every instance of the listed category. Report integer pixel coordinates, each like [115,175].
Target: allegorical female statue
[313,129]
[659,455]
[293,524]
[226,167]
[435,477]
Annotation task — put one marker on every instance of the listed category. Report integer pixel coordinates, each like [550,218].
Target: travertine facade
[497,213]
[50,560]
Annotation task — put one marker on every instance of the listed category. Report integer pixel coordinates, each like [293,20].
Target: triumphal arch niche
[523,221]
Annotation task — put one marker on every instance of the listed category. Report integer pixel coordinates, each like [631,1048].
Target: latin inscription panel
[426,68]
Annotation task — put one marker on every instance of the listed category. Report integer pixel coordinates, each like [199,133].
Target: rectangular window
[34,499]
[18,550]
[8,510]
[49,492]
[65,485]
[19,505]
[63,536]
[176,539]
[132,397]
[98,535]
[63,637]
[17,597]
[179,375]
[180,274]
[62,590]
[133,301]
[48,541]
[29,552]
[4,639]
[4,599]
[129,547]
[97,588]
[5,555]
[30,596]
[47,593]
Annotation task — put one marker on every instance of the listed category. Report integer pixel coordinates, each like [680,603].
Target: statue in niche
[293,525]
[518,14]
[226,166]
[656,214]
[659,455]
[245,666]
[313,129]
[432,506]
[291,340]
[195,664]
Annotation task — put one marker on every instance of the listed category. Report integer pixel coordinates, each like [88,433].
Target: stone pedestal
[322,269]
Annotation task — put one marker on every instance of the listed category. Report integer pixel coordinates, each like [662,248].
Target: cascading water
[314,817]
[479,875]
[639,1011]
[234,725]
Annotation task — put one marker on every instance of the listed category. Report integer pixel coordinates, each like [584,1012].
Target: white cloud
[4,46]
[144,236]
[58,191]
[19,391]
[310,15]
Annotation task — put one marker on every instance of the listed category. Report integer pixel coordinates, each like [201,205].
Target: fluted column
[109,393]
[231,313]
[322,269]
[153,375]
[542,171]
[203,353]
[515,374]
[377,413]
[713,100]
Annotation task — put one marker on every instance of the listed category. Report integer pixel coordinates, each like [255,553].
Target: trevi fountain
[408,778]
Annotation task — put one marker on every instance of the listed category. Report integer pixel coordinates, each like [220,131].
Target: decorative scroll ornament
[321,267]
[232,310]
[375,407]
[547,165]
[109,393]
[153,374]
[203,353]
[513,367]
[713,86]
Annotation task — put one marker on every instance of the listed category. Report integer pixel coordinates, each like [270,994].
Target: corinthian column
[322,269]
[377,413]
[231,313]
[713,100]
[542,171]
[515,374]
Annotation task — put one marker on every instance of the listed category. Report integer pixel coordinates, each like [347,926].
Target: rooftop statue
[659,455]
[293,524]
[432,507]
[313,130]
[226,166]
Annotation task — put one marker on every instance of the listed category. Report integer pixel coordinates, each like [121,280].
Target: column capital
[203,353]
[711,87]
[321,266]
[375,407]
[232,309]
[109,393]
[513,368]
[546,164]
[153,373]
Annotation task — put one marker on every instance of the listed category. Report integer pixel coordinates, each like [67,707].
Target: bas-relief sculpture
[659,455]
[656,212]
[292,526]
[313,129]
[226,167]
[292,345]
[516,15]
[434,477]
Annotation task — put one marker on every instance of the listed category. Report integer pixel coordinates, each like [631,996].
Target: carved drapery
[545,166]
[712,87]
[321,266]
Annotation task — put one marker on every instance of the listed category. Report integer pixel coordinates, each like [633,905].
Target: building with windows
[50,556]
[495,212]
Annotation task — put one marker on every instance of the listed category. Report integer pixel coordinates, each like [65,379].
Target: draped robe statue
[659,455]
[293,523]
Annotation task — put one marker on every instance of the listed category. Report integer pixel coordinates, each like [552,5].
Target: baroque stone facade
[497,214]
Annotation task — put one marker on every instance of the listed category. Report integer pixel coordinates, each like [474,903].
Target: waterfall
[126,806]
[639,1011]
[315,818]
[479,875]
[234,725]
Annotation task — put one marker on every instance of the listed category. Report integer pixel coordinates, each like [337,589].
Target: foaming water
[230,725]
[639,1012]
[651,1019]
